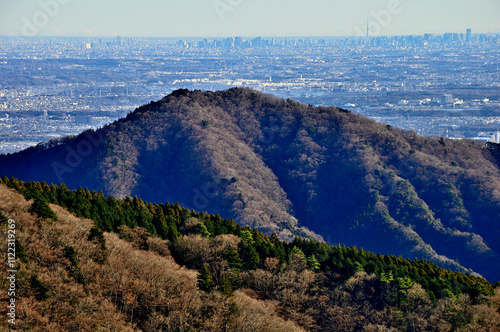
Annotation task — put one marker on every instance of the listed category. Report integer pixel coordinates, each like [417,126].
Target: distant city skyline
[224,18]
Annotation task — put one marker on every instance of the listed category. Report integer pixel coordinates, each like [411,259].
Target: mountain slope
[279,165]
[72,276]
[121,286]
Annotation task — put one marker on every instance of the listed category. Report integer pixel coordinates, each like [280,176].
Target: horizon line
[241,36]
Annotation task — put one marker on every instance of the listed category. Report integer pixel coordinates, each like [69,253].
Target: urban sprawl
[447,85]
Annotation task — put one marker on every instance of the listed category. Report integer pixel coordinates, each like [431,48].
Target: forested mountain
[162,267]
[292,169]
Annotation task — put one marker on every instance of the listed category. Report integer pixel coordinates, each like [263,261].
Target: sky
[248,18]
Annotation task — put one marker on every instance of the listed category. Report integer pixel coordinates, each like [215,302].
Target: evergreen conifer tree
[313,263]
[232,257]
[205,281]
[247,236]
[249,255]
[201,229]
[42,209]
[225,286]
[41,291]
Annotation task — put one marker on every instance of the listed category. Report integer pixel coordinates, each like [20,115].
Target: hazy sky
[215,18]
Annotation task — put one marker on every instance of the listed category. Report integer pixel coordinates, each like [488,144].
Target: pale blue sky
[216,18]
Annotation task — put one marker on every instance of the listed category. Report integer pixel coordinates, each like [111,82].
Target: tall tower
[367,28]
[468,35]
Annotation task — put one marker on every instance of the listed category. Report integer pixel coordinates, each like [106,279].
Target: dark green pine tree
[97,234]
[278,248]
[41,291]
[201,229]
[21,252]
[42,209]
[205,281]
[173,233]
[232,257]
[249,255]
[74,267]
[225,286]
[160,222]
[144,217]
[313,263]
[247,237]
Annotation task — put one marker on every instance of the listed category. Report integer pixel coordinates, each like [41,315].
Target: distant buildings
[493,137]
[406,81]
[447,99]
[83,120]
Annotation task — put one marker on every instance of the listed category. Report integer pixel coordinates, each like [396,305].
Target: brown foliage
[133,289]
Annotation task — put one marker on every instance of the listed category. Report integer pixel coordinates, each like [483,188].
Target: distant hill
[292,169]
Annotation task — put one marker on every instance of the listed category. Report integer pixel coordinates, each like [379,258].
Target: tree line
[255,249]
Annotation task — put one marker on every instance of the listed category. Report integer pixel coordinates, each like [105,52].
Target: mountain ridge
[90,262]
[279,165]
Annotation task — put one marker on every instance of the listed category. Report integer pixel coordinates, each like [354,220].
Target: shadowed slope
[269,162]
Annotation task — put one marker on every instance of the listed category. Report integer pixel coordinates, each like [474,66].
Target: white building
[447,99]
[493,137]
